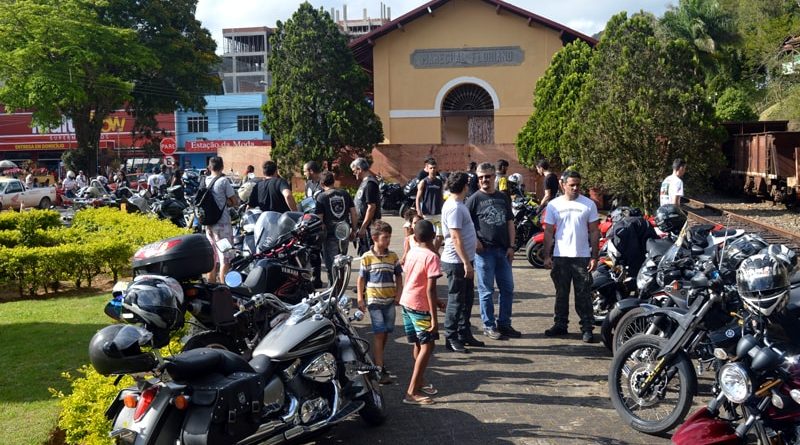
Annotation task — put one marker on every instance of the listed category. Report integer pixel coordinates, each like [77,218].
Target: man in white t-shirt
[155,181]
[571,220]
[672,186]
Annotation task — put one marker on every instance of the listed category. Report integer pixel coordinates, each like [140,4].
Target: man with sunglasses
[571,221]
[494,224]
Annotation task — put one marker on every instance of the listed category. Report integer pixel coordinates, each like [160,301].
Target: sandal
[429,390]
[418,401]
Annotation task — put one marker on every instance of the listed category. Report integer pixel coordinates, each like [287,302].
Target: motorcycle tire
[403,209]
[374,410]
[607,333]
[533,252]
[632,364]
[635,322]
[214,340]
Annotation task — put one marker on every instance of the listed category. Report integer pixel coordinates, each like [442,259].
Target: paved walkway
[533,390]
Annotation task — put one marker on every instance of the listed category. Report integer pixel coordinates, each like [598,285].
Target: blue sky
[586,16]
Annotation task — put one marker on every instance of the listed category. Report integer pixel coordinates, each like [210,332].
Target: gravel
[765,212]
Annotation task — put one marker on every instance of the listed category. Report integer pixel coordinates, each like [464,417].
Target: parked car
[14,194]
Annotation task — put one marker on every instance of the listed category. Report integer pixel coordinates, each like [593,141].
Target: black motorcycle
[526,220]
[311,371]
[391,195]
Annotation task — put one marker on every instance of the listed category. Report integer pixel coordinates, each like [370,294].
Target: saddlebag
[223,409]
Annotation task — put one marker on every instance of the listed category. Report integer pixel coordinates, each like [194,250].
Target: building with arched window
[455,79]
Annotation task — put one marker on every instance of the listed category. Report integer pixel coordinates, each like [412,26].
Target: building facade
[245,56]
[455,79]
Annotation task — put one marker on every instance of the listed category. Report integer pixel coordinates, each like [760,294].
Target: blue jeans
[490,265]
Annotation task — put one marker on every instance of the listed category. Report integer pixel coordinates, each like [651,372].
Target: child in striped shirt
[380,284]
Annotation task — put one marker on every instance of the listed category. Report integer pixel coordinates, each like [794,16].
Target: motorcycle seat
[263,365]
[200,362]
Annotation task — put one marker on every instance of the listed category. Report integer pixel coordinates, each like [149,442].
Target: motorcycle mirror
[233,279]
[224,245]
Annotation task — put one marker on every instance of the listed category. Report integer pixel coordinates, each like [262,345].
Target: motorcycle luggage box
[181,257]
[224,409]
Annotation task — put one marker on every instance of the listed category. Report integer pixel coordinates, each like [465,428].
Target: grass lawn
[40,339]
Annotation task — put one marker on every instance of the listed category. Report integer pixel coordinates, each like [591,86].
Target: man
[367,202]
[501,180]
[460,241]
[250,173]
[572,221]
[472,183]
[224,196]
[494,223]
[333,206]
[311,172]
[672,187]
[550,183]
[81,179]
[273,193]
[430,197]
[155,181]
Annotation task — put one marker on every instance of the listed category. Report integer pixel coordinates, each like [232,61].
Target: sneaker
[472,341]
[455,345]
[587,337]
[556,331]
[508,331]
[493,333]
[385,378]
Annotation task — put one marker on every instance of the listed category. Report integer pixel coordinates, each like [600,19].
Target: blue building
[229,121]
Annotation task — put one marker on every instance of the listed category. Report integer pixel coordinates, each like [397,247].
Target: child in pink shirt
[419,303]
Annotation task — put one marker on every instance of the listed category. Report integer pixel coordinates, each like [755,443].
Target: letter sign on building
[168,146]
[467,57]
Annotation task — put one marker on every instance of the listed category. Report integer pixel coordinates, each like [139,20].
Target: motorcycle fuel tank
[288,341]
[703,428]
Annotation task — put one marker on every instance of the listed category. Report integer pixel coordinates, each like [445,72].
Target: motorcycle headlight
[735,382]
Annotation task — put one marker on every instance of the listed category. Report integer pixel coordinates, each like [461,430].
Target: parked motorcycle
[409,198]
[171,205]
[534,247]
[311,371]
[391,195]
[526,220]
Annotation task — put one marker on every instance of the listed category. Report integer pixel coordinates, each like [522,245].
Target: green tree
[83,59]
[554,100]
[705,25]
[734,105]
[316,106]
[643,106]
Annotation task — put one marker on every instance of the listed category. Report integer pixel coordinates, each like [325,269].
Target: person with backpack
[273,193]
[215,194]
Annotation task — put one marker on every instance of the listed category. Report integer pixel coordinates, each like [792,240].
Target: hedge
[39,253]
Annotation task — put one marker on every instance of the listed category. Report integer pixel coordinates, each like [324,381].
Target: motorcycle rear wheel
[669,398]
[635,322]
[533,252]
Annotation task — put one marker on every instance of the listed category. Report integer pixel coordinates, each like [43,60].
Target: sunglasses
[486,177]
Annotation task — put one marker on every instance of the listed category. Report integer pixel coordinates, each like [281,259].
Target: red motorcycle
[534,250]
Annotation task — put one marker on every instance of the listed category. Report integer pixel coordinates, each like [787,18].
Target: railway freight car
[764,160]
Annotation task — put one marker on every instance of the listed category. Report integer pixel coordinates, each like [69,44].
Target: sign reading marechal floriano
[458,57]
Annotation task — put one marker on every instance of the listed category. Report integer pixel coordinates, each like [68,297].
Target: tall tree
[644,105]
[83,59]
[316,106]
[554,100]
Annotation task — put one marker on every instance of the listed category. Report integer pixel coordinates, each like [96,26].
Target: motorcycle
[534,249]
[391,195]
[311,371]
[409,198]
[171,206]
[526,220]
[611,282]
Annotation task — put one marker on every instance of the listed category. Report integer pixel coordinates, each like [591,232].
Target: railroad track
[708,214]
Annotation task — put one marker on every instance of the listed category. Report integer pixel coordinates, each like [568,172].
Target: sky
[586,16]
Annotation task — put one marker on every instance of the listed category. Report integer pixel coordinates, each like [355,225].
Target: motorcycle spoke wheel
[665,402]
[635,322]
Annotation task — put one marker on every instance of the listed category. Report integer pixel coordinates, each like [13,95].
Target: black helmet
[670,218]
[310,226]
[763,283]
[116,349]
[154,300]
[737,250]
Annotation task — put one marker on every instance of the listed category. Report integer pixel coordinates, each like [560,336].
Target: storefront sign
[212,146]
[467,57]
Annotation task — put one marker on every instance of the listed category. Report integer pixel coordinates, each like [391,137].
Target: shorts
[217,232]
[436,220]
[382,317]
[417,325]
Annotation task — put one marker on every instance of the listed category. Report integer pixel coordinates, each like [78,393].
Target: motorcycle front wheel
[374,410]
[533,252]
[668,398]
[635,322]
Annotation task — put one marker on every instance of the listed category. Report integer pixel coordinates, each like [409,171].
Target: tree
[316,106]
[554,100]
[643,106]
[734,105]
[83,59]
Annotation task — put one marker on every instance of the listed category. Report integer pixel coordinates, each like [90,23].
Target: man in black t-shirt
[550,183]
[333,206]
[430,198]
[311,172]
[472,181]
[367,202]
[494,224]
[273,193]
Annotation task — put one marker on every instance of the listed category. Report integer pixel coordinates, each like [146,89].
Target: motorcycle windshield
[250,218]
[271,226]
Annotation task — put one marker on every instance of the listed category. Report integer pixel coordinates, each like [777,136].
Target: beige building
[455,79]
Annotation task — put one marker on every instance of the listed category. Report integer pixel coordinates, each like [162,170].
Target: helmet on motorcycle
[763,283]
[670,218]
[619,213]
[784,254]
[737,250]
[310,226]
[516,178]
[154,300]
[115,349]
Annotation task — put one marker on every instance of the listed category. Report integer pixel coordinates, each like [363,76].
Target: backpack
[206,209]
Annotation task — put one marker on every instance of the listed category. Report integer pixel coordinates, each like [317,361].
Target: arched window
[468,116]
[467,99]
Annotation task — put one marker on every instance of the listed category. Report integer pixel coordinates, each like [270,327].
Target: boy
[419,305]
[381,279]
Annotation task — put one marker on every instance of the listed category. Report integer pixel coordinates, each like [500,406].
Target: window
[247,123]
[198,124]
